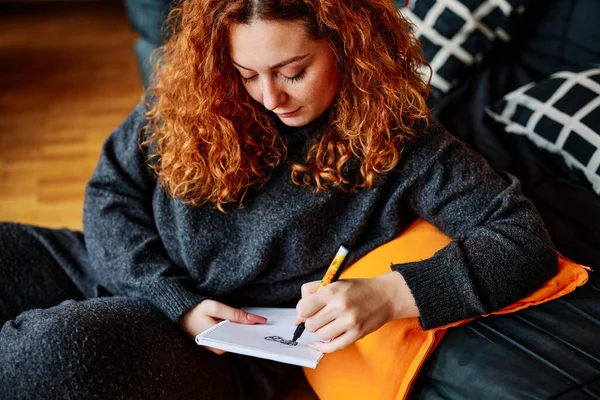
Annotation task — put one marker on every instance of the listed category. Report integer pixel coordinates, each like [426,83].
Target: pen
[329,277]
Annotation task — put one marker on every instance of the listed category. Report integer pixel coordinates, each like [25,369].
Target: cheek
[317,90]
[333,81]
[305,93]
[326,88]
[329,79]
[254,92]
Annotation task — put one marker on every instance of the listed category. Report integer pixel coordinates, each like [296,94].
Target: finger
[339,343]
[309,306]
[332,330]
[309,288]
[213,350]
[319,320]
[223,311]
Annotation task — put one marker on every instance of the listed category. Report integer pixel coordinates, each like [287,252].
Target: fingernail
[256,319]
[312,346]
[298,321]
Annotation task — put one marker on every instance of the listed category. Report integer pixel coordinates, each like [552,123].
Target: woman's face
[284,69]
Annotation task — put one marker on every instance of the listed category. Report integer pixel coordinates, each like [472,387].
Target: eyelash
[293,79]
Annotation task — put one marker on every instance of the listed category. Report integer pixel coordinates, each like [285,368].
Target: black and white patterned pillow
[560,114]
[456,34]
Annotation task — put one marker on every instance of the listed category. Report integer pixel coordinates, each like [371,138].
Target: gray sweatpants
[60,339]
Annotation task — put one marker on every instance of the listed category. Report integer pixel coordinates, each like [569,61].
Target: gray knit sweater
[143,243]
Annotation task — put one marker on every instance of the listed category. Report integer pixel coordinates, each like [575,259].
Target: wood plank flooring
[68,77]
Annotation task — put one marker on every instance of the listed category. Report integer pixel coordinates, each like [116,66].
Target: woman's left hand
[347,310]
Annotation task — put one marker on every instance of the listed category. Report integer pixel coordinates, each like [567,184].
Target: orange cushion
[368,370]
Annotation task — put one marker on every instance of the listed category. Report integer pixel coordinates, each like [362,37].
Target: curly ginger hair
[210,141]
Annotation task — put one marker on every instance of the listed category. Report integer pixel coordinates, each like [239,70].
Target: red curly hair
[209,141]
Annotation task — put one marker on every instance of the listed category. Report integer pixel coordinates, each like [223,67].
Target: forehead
[263,43]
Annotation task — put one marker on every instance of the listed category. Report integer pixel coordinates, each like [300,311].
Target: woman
[275,131]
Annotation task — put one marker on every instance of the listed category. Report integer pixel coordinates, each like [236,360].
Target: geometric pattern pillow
[456,34]
[560,114]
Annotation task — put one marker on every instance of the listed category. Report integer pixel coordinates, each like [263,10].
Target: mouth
[288,114]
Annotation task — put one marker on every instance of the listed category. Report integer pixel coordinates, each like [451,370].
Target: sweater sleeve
[126,253]
[501,250]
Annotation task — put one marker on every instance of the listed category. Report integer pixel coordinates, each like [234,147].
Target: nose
[273,96]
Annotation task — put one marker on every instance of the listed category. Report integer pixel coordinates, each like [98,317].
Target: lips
[287,114]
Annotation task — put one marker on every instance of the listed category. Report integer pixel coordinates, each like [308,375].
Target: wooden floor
[68,77]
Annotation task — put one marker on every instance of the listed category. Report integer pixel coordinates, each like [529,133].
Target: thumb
[310,288]
[241,316]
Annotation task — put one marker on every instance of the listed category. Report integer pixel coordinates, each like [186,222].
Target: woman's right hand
[208,313]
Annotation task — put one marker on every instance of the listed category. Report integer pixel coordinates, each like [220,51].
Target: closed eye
[250,79]
[292,79]
[297,77]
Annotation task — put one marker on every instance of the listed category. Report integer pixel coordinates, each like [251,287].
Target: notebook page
[264,340]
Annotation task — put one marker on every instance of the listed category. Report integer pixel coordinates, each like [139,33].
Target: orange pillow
[367,370]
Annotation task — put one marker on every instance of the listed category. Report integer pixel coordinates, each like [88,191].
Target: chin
[294,124]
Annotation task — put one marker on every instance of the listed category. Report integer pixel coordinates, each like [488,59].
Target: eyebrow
[279,64]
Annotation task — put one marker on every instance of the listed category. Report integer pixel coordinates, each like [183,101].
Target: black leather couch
[548,351]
